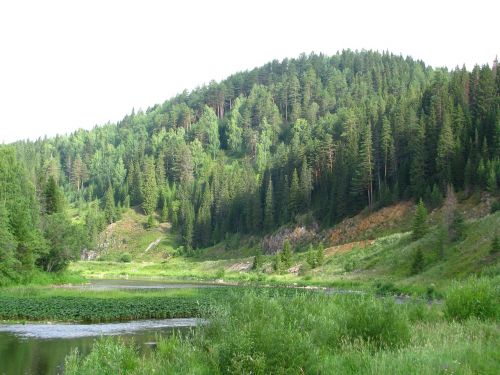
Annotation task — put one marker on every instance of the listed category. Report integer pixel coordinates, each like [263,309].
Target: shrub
[377,322]
[474,298]
[495,206]
[418,262]
[125,258]
[257,261]
[495,245]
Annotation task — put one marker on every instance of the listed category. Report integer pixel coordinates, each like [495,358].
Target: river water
[40,349]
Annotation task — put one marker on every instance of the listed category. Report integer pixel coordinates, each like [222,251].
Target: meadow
[323,334]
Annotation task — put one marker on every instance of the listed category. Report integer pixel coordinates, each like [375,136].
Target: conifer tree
[294,201]
[305,184]
[320,255]
[149,188]
[420,221]
[286,254]
[269,208]
[311,257]
[53,197]
[109,206]
[257,261]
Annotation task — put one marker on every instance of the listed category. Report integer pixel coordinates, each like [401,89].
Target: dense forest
[313,138]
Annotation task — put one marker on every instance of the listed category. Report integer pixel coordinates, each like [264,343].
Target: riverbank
[318,333]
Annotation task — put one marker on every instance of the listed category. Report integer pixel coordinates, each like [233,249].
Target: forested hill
[317,135]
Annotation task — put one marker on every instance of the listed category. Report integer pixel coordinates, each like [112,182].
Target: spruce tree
[286,254]
[269,208]
[320,255]
[53,197]
[294,201]
[149,188]
[109,206]
[311,257]
[305,184]
[420,221]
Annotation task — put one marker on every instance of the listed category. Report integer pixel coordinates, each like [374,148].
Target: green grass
[386,262]
[312,334]
[43,304]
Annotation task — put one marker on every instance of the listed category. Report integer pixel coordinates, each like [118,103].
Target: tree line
[314,137]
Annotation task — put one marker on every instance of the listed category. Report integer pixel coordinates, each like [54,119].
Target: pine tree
[204,219]
[269,208]
[436,198]
[305,184]
[311,257]
[387,146]
[257,261]
[491,181]
[109,206]
[294,201]
[363,174]
[420,221]
[149,188]
[286,255]
[320,255]
[445,151]
[53,197]
[278,265]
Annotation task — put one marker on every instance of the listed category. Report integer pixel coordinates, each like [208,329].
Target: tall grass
[475,298]
[313,334]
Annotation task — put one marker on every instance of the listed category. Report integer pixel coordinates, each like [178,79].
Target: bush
[125,258]
[474,298]
[495,245]
[495,206]
[377,322]
[418,262]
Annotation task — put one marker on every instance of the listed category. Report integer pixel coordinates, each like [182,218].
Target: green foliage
[81,308]
[125,258]
[418,262]
[311,257]
[420,221]
[109,206]
[108,357]
[320,255]
[269,208]
[53,199]
[151,223]
[278,264]
[495,245]
[257,261]
[495,206]
[149,187]
[286,255]
[474,298]
[436,197]
[333,134]
[64,242]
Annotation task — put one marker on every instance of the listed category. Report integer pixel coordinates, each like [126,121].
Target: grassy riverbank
[311,334]
[95,306]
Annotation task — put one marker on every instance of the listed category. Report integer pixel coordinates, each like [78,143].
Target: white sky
[73,64]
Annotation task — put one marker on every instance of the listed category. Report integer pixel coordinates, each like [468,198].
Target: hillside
[361,250]
[312,140]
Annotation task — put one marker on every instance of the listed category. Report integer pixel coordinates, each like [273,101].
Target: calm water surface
[40,349]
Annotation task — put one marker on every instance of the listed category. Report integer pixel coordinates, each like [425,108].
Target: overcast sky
[67,64]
